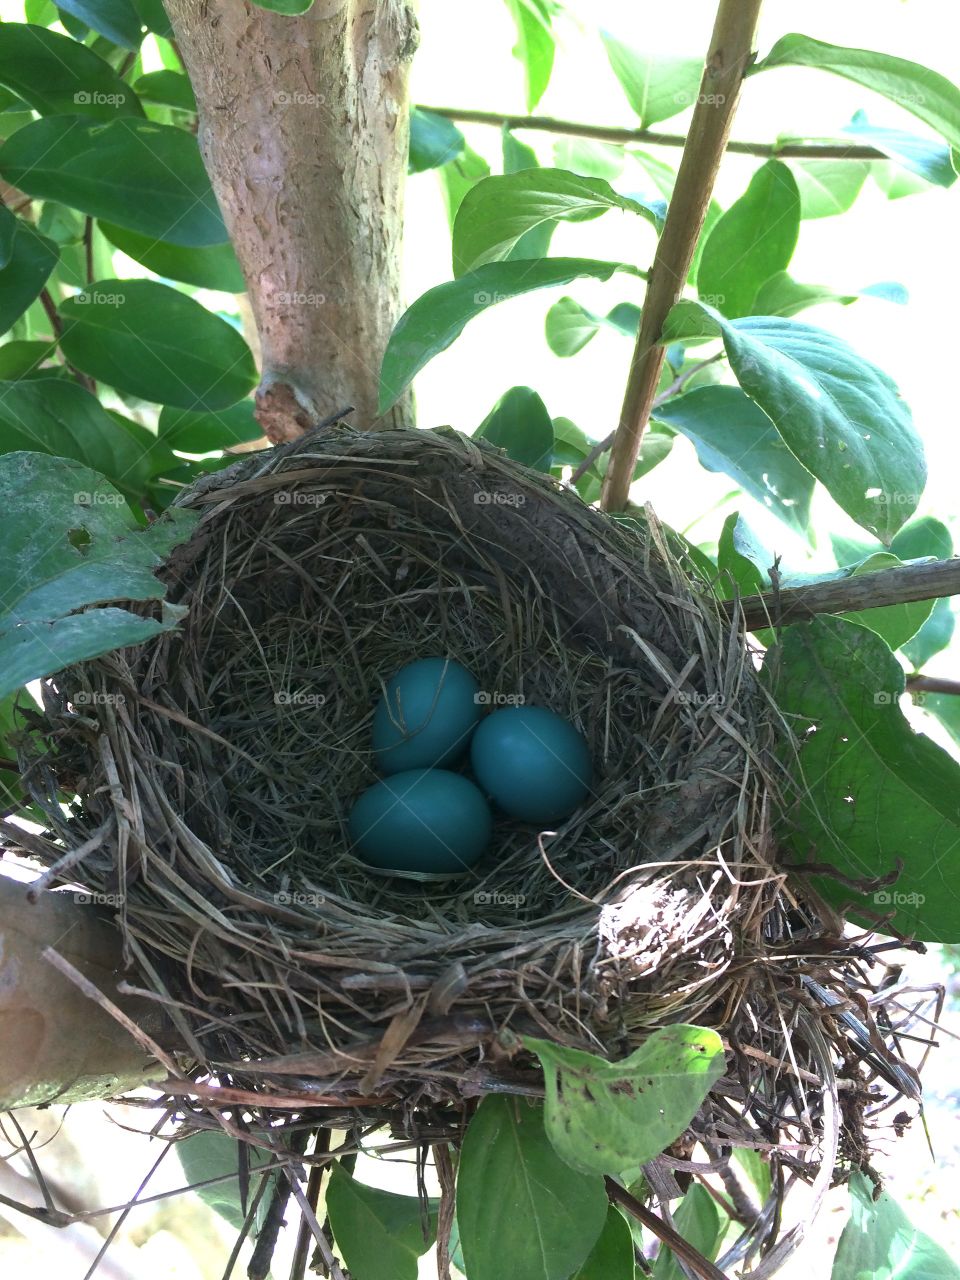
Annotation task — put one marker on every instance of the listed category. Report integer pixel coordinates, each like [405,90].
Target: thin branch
[649,137]
[685,1251]
[729,56]
[902,585]
[932,684]
[677,385]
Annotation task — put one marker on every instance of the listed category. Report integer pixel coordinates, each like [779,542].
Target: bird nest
[216,766]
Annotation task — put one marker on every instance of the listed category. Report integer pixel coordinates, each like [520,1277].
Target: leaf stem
[727,61]
[650,137]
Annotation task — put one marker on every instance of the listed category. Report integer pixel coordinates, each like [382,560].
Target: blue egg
[427,717]
[532,763]
[421,820]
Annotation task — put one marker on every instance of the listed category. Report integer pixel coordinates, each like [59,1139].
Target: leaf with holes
[607,1117]
[840,416]
[70,551]
[871,792]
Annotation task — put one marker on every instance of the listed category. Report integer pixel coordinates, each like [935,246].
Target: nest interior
[216,766]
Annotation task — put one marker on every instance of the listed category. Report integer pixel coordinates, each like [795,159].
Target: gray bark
[304,132]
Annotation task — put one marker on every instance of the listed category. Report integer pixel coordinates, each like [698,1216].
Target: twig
[56,324]
[605,133]
[731,48]
[932,684]
[685,1251]
[301,1252]
[679,382]
[902,585]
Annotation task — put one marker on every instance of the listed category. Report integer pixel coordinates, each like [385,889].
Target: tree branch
[932,684]
[902,585]
[605,133]
[683,1250]
[731,49]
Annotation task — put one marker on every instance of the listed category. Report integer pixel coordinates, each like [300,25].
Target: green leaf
[64,226]
[608,1117]
[154,342]
[569,326]
[434,141]
[700,1222]
[20,359]
[11,723]
[439,316]
[612,1257]
[145,176]
[203,432]
[896,623]
[535,44]
[68,541]
[534,243]
[30,257]
[496,212]
[154,17]
[924,93]
[458,177]
[515,1197]
[592,159]
[380,1234]
[118,20]
[657,87]
[933,637]
[58,76]
[840,415]
[733,435]
[781,295]
[289,7]
[168,88]
[520,424]
[212,1154]
[881,1243]
[928,159]
[41,13]
[873,791]
[214,267]
[896,182]
[742,557]
[49,415]
[828,187]
[944,707]
[752,241]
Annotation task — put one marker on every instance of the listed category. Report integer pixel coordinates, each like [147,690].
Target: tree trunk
[304,132]
[55,1044]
